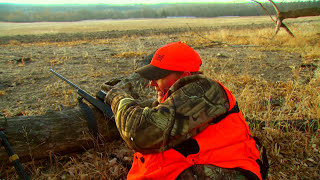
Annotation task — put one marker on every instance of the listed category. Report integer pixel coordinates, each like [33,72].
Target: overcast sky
[118,1]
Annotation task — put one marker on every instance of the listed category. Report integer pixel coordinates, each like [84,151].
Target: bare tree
[296,13]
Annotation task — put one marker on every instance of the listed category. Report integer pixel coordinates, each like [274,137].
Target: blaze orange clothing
[227,144]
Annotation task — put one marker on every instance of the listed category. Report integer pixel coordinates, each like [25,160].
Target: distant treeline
[36,13]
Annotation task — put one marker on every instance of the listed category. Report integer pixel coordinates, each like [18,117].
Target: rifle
[97,102]
[13,158]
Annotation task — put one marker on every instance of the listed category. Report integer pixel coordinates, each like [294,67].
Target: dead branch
[296,13]
[279,21]
[265,10]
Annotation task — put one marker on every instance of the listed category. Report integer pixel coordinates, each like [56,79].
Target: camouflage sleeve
[192,102]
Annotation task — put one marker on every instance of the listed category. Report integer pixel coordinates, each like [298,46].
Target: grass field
[10,29]
[273,80]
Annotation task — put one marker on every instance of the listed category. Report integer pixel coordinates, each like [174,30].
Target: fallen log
[61,132]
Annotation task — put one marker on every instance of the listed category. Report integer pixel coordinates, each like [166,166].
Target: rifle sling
[89,116]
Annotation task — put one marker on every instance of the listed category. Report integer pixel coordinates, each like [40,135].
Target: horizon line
[124,4]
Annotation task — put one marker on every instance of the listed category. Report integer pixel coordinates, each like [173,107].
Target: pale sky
[117,1]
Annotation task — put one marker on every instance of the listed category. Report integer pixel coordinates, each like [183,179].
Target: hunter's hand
[106,88]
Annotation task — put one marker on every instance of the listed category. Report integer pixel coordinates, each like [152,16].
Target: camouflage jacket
[191,103]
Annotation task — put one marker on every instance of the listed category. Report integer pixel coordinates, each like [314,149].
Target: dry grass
[306,41]
[292,154]
[9,29]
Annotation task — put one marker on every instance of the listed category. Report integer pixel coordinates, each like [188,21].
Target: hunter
[194,131]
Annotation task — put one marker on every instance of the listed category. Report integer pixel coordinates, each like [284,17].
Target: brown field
[273,80]
[9,29]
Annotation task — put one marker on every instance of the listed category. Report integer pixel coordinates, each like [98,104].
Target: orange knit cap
[171,57]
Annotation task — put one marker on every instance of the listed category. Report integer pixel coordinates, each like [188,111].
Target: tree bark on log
[61,132]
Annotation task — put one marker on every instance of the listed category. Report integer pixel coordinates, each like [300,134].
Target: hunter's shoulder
[197,84]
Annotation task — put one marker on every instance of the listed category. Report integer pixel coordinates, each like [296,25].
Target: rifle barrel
[98,103]
[69,82]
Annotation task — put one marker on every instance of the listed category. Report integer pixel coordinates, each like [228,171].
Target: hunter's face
[162,85]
